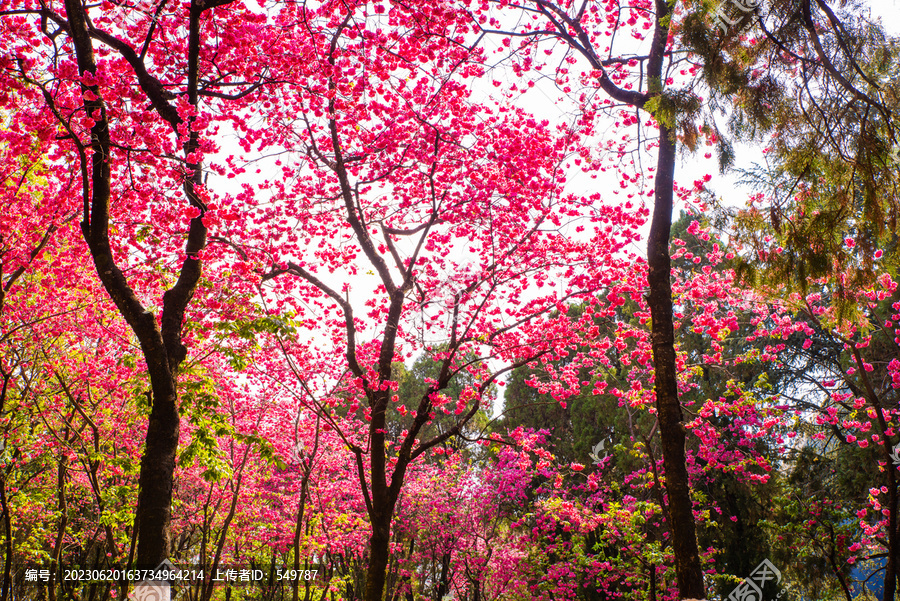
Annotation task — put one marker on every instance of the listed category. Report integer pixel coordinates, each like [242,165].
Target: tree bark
[307,463]
[8,546]
[379,553]
[668,406]
[4,507]
[62,506]
[443,584]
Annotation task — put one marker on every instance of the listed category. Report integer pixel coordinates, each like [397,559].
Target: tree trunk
[668,407]
[443,584]
[379,553]
[8,546]
[156,480]
[298,532]
[62,507]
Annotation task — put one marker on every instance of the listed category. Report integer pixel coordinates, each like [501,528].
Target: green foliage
[824,99]
[413,383]
[199,403]
[813,532]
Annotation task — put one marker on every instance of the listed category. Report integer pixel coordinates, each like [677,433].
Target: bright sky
[889,11]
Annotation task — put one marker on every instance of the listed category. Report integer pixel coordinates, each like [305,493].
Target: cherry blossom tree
[64,497]
[411,218]
[119,92]
[374,208]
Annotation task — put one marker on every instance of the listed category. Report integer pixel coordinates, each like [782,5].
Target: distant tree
[587,419]
[817,81]
[412,385]
[728,378]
